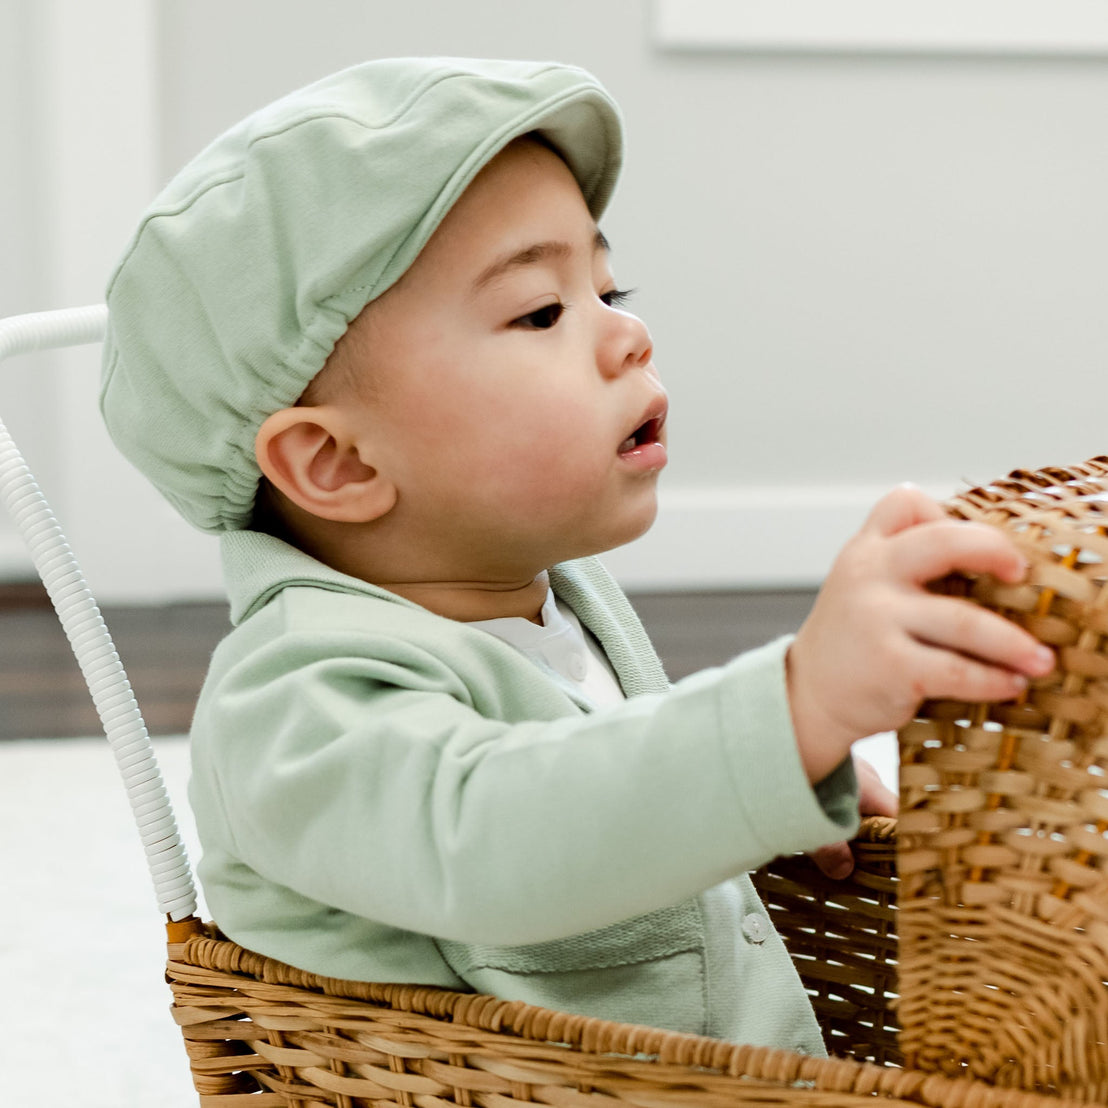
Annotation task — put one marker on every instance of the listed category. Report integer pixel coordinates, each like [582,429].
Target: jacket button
[756,928]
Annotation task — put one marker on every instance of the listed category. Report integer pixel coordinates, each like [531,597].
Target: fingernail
[1044,657]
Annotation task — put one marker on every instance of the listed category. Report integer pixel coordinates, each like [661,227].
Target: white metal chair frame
[84,626]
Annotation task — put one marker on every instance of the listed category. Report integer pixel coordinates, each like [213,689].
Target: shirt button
[756,928]
[578,667]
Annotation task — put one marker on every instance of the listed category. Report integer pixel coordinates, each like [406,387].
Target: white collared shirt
[563,646]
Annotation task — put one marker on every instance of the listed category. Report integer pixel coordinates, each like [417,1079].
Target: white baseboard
[725,538]
[15,562]
[745,538]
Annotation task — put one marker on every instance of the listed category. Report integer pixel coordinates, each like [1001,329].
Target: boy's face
[510,399]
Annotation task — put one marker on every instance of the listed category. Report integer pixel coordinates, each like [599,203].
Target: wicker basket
[1004,812]
[260,1034]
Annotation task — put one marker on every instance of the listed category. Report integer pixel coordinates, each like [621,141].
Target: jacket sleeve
[370,784]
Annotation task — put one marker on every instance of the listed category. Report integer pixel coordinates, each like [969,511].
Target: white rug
[82,945]
[86,1014]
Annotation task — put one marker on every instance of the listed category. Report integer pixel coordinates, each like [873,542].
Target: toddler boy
[371,337]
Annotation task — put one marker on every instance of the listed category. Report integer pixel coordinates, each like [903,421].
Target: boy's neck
[379,554]
[468,602]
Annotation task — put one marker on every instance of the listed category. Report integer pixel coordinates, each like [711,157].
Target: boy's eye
[617,298]
[541,319]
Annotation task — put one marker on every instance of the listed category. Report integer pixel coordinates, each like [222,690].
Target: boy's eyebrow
[537,252]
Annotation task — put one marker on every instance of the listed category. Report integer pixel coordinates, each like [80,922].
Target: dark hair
[267,516]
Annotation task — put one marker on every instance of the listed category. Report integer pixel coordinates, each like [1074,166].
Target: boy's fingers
[875,798]
[942,547]
[961,627]
[904,507]
[835,860]
[946,675]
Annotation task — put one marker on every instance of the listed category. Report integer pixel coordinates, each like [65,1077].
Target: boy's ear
[310,455]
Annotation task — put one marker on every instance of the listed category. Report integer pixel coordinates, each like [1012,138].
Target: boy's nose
[626,343]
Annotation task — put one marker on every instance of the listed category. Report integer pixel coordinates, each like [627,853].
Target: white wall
[858,269]
[84,146]
[26,396]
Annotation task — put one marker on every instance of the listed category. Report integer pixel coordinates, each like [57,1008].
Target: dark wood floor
[165,651]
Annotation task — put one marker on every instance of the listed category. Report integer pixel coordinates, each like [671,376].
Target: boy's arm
[406,806]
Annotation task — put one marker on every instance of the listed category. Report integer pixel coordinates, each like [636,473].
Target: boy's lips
[645,446]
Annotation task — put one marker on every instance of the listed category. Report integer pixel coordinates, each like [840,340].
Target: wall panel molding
[1061,27]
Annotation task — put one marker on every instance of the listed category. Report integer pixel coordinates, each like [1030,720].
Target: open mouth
[646,433]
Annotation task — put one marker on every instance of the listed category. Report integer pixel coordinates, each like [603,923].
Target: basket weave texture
[261,1034]
[1003,853]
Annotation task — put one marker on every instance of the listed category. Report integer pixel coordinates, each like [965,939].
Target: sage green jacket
[384,794]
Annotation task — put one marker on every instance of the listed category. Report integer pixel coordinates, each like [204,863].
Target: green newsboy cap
[252,262]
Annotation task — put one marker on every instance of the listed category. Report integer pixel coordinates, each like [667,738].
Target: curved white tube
[84,627]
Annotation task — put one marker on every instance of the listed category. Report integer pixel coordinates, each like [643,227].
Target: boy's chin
[634,530]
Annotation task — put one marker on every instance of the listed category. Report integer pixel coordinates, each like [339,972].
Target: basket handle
[84,626]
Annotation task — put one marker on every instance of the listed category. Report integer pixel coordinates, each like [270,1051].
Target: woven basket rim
[591,1035]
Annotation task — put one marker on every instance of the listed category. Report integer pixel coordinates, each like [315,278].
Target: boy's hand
[877,642]
[875,798]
